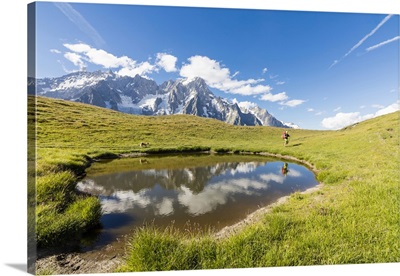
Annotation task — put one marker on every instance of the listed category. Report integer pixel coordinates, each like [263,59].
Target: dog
[144,145]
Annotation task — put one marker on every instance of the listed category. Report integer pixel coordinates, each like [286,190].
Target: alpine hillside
[142,96]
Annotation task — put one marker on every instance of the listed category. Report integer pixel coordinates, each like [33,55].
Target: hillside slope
[353,218]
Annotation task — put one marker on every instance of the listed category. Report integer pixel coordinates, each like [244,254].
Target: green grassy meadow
[354,218]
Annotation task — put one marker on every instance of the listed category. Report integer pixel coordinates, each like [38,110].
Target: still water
[189,191]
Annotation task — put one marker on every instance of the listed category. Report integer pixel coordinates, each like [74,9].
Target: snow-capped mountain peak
[143,96]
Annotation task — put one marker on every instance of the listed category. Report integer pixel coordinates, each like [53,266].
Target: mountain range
[141,96]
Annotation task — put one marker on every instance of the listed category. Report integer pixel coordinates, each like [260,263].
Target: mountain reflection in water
[214,196]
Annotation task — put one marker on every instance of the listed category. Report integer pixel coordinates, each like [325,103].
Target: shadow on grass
[296,145]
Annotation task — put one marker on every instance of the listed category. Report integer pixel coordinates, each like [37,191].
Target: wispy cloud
[75,17]
[55,51]
[316,112]
[282,99]
[362,40]
[274,97]
[292,103]
[382,44]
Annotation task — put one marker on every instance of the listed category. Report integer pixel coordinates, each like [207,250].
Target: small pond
[191,191]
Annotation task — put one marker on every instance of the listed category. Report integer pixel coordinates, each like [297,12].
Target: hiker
[285,137]
[285,169]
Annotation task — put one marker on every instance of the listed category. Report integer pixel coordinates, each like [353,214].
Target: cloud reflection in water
[220,184]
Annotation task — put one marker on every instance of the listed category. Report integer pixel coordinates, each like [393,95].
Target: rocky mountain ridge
[142,96]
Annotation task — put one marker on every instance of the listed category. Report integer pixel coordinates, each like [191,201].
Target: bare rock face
[142,96]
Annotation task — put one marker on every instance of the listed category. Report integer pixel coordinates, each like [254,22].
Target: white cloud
[337,109]
[167,62]
[100,57]
[82,52]
[55,51]
[377,106]
[265,70]
[141,69]
[246,105]
[78,47]
[208,69]
[389,109]
[310,109]
[108,60]
[274,97]
[292,103]
[216,75]
[75,59]
[341,120]
[243,87]
[382,44]
[213,72]
[219,77]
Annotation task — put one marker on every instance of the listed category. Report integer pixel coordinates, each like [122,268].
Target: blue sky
[319,70]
